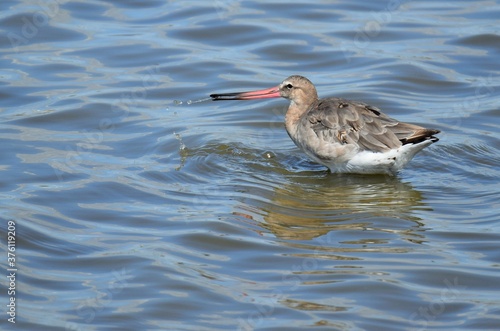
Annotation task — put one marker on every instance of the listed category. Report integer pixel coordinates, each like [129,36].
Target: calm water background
[137,209]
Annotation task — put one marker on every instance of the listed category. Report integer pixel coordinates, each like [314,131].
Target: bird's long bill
[273,92]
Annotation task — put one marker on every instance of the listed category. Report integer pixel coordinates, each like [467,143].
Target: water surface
[137,209]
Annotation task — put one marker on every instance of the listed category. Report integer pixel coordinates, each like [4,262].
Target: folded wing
[340,121]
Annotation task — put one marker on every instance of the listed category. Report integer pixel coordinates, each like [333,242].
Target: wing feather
[339,121]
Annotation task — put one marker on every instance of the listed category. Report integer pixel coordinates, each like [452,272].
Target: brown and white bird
[346,136]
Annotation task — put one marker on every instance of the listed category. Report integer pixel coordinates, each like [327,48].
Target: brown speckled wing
[336,120]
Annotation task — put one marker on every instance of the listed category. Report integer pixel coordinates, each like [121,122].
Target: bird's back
[351,136]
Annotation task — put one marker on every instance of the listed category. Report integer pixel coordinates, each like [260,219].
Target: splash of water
[198,101]
[190,102]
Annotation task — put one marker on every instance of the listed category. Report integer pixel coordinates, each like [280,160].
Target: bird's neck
[293,116]
[299,105]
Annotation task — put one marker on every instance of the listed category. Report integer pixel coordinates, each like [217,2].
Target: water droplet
[181,144]
[189,102]
[177,102]
[268,155]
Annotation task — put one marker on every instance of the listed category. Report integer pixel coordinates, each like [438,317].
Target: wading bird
[345,136]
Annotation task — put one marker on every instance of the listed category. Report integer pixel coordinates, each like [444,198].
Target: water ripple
[135,206]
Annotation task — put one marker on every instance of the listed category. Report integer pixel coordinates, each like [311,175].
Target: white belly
[366,162]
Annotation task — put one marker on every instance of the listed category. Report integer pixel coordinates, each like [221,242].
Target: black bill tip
[225,96]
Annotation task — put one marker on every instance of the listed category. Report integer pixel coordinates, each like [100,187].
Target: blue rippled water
[137,205]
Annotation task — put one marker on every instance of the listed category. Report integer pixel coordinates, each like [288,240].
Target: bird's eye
[289,86]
